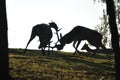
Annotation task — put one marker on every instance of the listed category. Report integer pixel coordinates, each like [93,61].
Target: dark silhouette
[86,47]
[114,35]
[4,59]
[79,33]
[44,32]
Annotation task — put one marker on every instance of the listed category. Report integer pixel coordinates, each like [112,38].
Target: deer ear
[60,35]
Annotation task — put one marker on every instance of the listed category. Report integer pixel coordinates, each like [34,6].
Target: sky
[22,15]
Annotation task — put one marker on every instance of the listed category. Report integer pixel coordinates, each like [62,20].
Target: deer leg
[76,46]
[31,38]
[49,49]
[43,51]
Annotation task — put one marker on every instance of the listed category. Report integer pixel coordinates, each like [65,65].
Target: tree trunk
[4,66]
[114,36]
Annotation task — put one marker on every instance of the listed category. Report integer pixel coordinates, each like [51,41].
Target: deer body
[79,33]
[44,32]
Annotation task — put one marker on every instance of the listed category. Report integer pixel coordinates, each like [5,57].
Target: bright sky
[24,14]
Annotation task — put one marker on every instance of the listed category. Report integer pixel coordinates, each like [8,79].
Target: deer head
[54,25]
[61,41]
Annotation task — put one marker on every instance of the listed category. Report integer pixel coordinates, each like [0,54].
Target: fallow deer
[79,33]
[44,32]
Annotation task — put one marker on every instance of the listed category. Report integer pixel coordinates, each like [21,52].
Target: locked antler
[58,34]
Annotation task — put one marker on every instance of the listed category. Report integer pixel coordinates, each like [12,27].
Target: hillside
[59,66]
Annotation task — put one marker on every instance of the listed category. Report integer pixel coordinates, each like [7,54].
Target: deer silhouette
[79,33]
[44,32]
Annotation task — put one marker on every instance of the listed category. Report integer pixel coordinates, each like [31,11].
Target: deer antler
[58,34]
[58,38]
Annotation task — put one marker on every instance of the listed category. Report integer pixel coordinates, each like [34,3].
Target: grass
[59,66]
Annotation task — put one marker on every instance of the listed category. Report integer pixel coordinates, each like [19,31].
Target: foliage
[103,28]
[60,66]
[103,1]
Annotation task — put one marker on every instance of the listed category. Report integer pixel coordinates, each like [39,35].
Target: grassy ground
[60,66]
